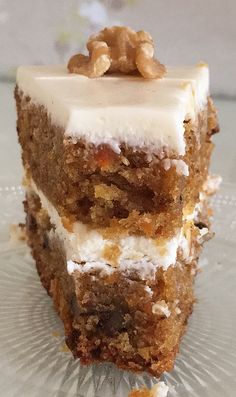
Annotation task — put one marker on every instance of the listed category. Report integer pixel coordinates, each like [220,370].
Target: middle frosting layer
[89,247]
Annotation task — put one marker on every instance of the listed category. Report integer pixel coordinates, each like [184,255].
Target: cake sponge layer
[87,248]
[134,192]
[103,319]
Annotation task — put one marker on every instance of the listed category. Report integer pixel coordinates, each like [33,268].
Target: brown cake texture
[136,334]
[129,311]
[126,192]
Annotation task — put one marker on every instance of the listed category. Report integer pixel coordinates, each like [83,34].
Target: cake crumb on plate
[17,232]
[160,389]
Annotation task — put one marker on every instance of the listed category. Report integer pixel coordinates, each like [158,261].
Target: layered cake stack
[116,175]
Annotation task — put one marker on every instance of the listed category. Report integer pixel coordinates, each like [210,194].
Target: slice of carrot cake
[116,150]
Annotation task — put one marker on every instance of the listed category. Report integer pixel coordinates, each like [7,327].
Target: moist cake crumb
[17,233]
[117,185]
[160,389]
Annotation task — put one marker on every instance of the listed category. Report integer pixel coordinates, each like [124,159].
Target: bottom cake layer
[111,316]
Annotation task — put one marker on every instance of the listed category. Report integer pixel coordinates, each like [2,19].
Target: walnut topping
[118,49]
[94,65]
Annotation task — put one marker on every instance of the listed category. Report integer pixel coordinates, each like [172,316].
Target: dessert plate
[34,360]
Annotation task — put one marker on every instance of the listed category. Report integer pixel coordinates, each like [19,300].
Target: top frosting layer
[120,109]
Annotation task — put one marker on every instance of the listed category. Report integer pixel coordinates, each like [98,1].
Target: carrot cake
[116,150]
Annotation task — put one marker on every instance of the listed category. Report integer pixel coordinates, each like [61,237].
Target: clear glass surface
[34,360]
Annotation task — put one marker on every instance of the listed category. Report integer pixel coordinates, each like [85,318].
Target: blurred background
[185,32]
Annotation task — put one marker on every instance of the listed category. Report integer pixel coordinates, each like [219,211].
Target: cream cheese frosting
[120,109]
[84,247]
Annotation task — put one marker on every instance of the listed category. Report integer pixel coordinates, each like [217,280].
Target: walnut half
[118,49]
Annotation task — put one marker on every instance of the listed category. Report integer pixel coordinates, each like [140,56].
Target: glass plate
[34,360]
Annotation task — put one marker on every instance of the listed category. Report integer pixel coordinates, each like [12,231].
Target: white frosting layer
[180,165]
[114,109]
[85,245]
